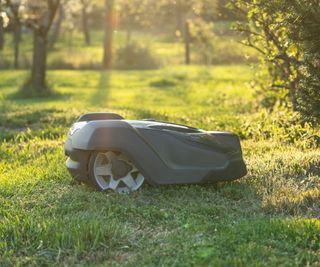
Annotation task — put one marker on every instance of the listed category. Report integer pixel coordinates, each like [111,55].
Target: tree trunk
[187,43]
[107,56]
[1,29]
[70,40]
[37,83]
[56,28]
[38,74]
[85,26]
[293,95]
[128,36]
[16,41]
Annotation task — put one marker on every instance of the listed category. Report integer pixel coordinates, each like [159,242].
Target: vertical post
[187,42]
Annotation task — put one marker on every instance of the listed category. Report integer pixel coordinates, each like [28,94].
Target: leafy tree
[174,12]
[72,12]
[39,16]
[224,13]
[85,8]
[56,26]
[133,14]
[181,10]
[202,37]
[207,10]
[16,17]
[75,15]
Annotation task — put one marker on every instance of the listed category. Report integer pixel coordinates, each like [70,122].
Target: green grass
[268,218]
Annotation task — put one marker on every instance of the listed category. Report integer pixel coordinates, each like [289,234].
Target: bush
[304,23]
[134,57]
[286,34]
[283,125]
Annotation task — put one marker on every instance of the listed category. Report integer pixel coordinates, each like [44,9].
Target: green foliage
[134,14]
[266,31]
[202,37]
[304,23]
[283,33]
[133,56]
[283,125]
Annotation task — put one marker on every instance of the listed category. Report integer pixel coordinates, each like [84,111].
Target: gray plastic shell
[164,155]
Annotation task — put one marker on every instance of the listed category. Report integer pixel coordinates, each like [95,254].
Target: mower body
[165,153]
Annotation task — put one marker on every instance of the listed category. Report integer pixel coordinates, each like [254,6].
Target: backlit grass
[268,218]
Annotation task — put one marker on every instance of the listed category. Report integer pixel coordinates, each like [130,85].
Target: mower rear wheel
[110,170]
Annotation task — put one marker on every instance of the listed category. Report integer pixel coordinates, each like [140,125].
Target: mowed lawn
[268,218]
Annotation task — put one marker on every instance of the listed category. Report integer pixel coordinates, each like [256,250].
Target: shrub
[304,23]
[286,34]
[283,125]
[133,56]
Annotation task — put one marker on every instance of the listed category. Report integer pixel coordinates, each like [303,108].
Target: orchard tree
[181,10]
[134,14]
[193,21]
[56,26]
[207,10]
[39,16]
[202,37]
[176,12]
[15,13]
[72,12]
[76,14]
[85,8]
[88,7]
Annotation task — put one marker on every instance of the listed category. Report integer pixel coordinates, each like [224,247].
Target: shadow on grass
[21,98]
[101,96]
[209,221]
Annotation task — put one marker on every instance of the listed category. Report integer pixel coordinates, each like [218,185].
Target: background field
[268,218]
[76,55]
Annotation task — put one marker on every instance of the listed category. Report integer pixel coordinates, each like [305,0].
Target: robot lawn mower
[109,152]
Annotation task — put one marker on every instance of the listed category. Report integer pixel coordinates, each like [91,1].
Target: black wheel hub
[120,168]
